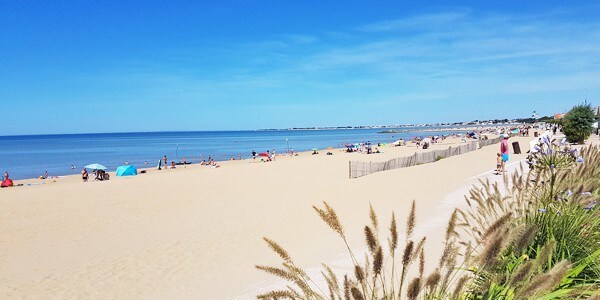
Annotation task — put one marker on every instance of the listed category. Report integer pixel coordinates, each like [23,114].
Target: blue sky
[105,66]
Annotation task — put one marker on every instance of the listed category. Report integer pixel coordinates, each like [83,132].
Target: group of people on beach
[99,175]
[268,155]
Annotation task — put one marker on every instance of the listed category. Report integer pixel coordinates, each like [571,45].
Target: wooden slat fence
[359,168]
[483,143]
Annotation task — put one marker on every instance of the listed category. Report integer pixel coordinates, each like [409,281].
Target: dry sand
[196,232]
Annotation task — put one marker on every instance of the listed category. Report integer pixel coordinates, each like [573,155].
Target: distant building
[559,116]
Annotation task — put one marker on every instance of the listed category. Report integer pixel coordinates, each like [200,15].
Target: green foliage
[577,124]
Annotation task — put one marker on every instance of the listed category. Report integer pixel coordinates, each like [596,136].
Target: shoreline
[37,181]
[110,151]
[197,233]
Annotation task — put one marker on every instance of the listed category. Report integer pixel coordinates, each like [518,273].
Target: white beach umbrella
[95,166]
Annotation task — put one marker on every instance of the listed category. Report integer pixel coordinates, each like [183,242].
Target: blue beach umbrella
[95,167]
[126,170]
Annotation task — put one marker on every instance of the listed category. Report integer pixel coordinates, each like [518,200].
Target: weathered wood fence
[483,143]
[359,168]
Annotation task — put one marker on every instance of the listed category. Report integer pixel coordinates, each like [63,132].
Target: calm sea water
[30,156]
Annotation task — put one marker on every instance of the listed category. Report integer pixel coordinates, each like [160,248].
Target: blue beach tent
[126,171]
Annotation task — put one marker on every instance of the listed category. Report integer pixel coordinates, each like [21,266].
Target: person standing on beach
[5,175]
[253,154]
[498,164]
[273,154]
[165,161]
[84,175]
[504,151]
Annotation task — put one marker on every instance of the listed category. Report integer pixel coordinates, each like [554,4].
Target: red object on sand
[7,183]
[263,154]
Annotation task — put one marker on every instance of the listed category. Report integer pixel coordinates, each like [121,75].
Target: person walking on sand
[504,151]
[165,161]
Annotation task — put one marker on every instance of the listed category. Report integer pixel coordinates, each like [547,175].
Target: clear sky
[106,66]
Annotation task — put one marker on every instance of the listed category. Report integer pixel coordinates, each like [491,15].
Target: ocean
[30,156]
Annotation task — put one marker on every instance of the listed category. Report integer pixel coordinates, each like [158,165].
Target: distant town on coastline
[455,124]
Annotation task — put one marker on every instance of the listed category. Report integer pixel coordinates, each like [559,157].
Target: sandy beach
[196,232]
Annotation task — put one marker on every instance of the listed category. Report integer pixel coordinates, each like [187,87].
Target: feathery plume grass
[371,239]
[420,246]
[407,257]
[410,222]
[356,294]
[414,288]
[544,255]
[346,288]
[524,237]
[373,218]
[332,279]
[433,280]
[521,274]
[451,225]
[544,282]
[278,249]
[459,286]
[281,273]
[492,249]
[501,222]
[421,263]
[378,262]
[359,273]
[277,295]
[393,235]
[329,216]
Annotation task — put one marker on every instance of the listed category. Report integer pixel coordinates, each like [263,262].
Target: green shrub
[577,124]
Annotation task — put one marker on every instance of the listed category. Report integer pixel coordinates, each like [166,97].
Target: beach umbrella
[95,167]
[315,149]
[426,140]
[263,154]
[126,170]
[329,148]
